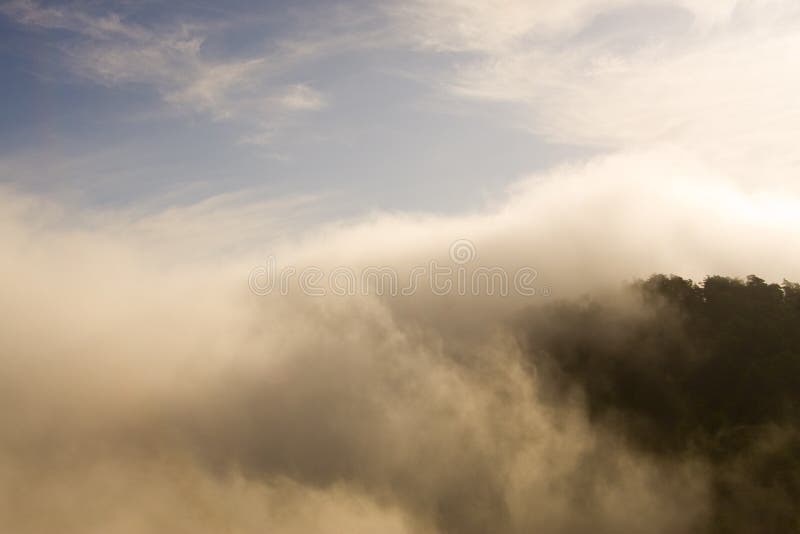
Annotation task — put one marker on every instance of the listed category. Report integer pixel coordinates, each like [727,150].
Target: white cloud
[496,26]
[63,17]
[715,78]
[211,91]
[110,50]
[301,97]
[488,26]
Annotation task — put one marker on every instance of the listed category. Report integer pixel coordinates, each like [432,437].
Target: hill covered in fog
[709,371]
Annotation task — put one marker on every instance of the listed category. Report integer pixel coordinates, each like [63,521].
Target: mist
[146,388]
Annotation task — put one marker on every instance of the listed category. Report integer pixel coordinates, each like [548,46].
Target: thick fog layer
[149,388]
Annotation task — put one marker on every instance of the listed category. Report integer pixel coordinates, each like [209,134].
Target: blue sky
[411,106]
[103,110]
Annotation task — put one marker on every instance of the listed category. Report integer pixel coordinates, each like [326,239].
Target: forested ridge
[705,370]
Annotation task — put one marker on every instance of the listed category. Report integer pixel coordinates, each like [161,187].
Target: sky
[130,102]
[414,106]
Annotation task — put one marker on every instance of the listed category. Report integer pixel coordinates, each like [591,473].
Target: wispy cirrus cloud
[715,78]
[108,49]
[496,26]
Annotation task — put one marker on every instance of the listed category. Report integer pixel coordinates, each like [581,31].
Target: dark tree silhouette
[707,370]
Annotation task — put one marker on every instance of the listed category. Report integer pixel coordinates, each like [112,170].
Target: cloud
[146,389]
[711,77]
[301,97]
[110,50]
[61,17]
[506,26]
[496,26]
